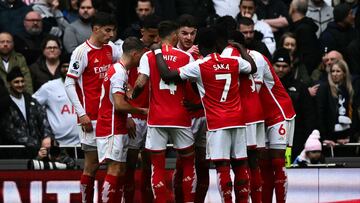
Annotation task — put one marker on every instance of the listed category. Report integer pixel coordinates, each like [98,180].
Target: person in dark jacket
[12,14]
[352,53]
[339,34]
[303,103]
[252,37]
[25,123]
[305,30]
[27,43]
[48,65]
[335,105]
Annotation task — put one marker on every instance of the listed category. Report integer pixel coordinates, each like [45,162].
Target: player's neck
[125,61]
[95,42]
[180,46]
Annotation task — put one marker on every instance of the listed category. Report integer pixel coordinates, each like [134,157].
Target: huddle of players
[112,92]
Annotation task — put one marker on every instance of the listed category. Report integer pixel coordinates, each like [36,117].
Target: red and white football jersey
[217,78]
[143,99]
[165,108]
[276,103]
[88,66]
[109,121]
[250,101]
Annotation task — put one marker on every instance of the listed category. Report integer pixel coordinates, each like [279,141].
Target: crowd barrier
[320,185]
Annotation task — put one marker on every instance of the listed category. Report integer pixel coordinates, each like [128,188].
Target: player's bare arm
[140,83]
[245,55]
[123,106]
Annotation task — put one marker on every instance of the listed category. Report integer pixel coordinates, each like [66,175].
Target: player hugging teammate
[227,107]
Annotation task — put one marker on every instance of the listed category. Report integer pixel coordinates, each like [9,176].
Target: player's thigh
[113,148]
[141,129]
[218,145]
[156,138]
[260,135]
[199,129]
[278,135]
[250,131]
[182,138]
[238,143]
[88,139]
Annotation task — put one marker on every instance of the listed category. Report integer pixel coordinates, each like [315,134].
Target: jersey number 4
[227,78]
[171,86]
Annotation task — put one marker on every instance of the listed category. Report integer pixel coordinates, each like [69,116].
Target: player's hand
[155,46]
[343,141]
[131,126]
[42,152]
[313,90]
[329,143]
[144,111]
[86,123]
[129,91]
[194,50]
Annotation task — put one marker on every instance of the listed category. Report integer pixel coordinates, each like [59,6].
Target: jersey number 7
[227,78]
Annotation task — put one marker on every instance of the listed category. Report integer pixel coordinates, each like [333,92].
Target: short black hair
[50,38]
[254,1]
[150,1]
[151,21]
[237,36]
[187,20]
[224,26]
[207,37]
[103,19]
[245,21]
[166,28]
[132,43]
[93,3]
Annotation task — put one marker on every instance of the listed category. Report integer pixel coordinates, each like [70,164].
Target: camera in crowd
[34,164]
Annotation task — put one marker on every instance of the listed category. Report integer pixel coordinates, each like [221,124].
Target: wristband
[157,51]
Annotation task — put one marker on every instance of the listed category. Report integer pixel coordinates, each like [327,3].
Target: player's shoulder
[81,50]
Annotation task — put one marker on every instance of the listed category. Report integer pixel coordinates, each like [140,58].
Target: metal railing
[341,145]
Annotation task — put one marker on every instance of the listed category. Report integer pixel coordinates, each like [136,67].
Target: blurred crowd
[314,46]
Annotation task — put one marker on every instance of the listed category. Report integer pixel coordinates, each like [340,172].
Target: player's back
[219,92]
[250,100]
[276,103]
[166,107]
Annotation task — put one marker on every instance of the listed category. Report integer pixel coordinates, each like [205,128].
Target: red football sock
[120,189]
[189,177]
[129,189]
[202,174]
[267,175]
[224,183]
[255,185]
[280,179]
[177,181]
[158,177]
[241,184]
[109,189]
[87,188]
[145,185]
